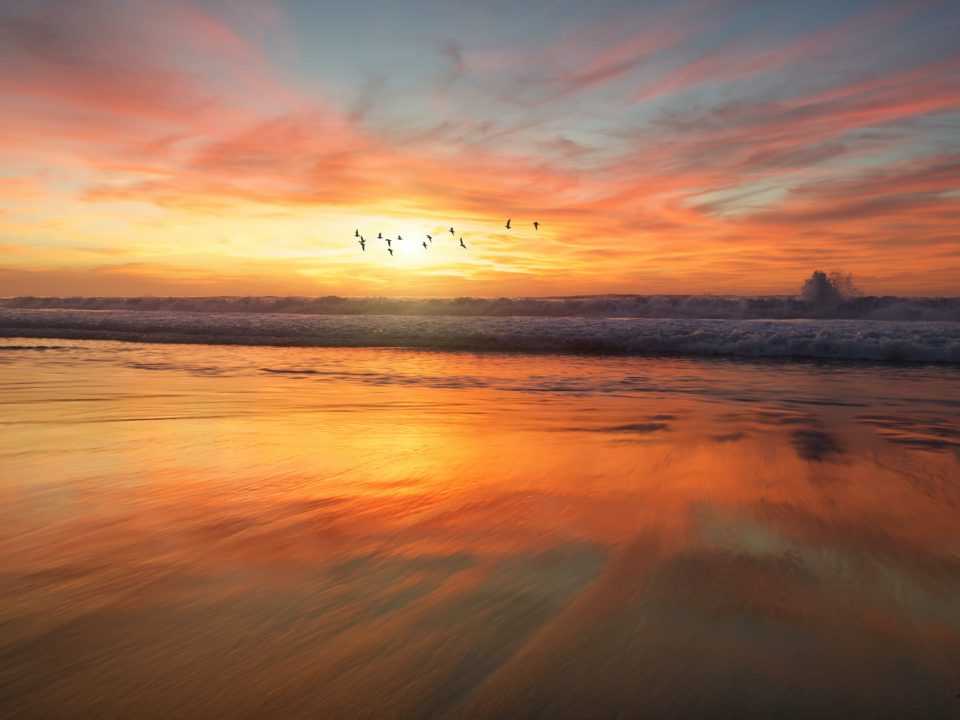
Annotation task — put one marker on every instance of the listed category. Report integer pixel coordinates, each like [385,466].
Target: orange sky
[190,147]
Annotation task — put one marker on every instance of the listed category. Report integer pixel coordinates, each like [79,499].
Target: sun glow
[175,152]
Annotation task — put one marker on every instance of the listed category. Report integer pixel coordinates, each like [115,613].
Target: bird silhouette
[356,233]
[388,244]
[430,238]
[390,251]
[399,237]
[462,245]
[379,236]
[363,244]
[424,246]
[536,225]
[508,223]
[451,231]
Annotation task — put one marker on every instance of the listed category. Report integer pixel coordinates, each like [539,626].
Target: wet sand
[194,531]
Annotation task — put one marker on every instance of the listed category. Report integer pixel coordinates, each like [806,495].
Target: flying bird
[536,225]
[508,223]
[363,244]
[356,233]
[388,244]
[379,236]
[399,237]
[462,245]
[424,246]
[451,231]
[430,238]
[390,251]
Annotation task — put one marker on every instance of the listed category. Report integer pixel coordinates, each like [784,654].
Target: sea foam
[861,339]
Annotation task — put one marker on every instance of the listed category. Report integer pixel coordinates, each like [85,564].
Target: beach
[196,530]
[491,360]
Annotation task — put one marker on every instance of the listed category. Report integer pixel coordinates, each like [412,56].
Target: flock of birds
[362,241]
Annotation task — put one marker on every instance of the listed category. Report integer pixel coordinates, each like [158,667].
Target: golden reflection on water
[264,532]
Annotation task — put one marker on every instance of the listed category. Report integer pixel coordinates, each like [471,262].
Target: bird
[363,244]
[390,251]
[451,231]
[508,223]
[536,225]
[424,246]
[462,245]
[388,244]
[430,238]
[356,233]
[399,237]
[379,236]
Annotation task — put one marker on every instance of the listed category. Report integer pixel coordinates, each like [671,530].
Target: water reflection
[816,445]
[928,433]
[392,534]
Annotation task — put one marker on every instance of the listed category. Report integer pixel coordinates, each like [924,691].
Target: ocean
[286,513]
[880,329]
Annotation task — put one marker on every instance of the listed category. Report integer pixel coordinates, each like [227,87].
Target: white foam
[913,341]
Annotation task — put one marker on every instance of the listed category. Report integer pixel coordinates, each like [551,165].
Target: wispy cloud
[665,150]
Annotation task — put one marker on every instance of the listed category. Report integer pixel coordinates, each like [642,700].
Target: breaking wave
[769,307]
[871,340]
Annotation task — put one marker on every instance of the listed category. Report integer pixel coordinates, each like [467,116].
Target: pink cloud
[171,113]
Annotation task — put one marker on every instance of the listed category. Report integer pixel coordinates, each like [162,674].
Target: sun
[410,249]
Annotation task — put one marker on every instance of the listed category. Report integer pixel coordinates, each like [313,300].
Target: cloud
[181,106]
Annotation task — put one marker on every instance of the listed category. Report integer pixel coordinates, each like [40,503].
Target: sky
[194,147]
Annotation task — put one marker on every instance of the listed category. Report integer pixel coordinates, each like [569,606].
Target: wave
[819,339]
[769,307]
